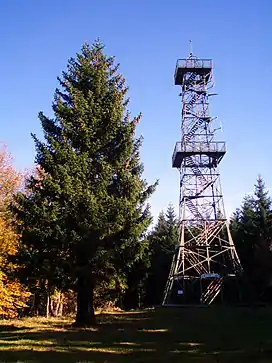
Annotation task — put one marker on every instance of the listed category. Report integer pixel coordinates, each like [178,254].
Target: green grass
[164,335]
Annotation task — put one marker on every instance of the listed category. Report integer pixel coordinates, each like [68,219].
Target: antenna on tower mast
[190,48]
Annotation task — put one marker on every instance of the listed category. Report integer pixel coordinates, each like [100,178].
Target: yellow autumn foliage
[8,240]
[10,179]
[13,295]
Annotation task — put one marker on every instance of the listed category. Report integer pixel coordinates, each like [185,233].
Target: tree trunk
[47,305]
[37,308]
[35,304]
[85,311]
[60,308]
[52,312]
[58,304]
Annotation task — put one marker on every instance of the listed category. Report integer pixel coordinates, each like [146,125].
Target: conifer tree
[263,239]
[86,216]
[172,225]
[252,232]
[163,241]
[263,210]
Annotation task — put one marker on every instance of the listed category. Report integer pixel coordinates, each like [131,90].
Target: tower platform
[214,149]
[200,66]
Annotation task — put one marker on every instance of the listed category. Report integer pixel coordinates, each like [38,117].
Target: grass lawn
[214,334]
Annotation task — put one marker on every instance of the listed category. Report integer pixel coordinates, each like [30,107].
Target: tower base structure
[205,266]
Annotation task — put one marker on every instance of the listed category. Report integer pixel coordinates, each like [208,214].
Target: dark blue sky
[38,37]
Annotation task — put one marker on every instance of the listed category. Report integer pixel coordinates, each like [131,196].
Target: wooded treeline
[74,232]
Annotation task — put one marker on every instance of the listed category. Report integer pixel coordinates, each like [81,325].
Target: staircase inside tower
[193,209]
[193,129]
[211,291]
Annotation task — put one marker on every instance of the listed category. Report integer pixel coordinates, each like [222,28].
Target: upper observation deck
[192,65]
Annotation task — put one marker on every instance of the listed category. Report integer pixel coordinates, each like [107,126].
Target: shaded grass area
[216,334]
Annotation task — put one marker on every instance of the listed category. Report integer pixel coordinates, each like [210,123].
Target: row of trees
[74,231]
[251,227]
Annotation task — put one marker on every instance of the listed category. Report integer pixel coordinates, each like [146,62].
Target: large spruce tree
[85,218]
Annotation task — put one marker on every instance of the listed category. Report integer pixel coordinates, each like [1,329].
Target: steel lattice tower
[206,262]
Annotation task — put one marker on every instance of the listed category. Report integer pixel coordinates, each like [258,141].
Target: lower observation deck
[214,149]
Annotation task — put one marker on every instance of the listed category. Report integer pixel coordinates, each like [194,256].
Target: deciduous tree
[13,295]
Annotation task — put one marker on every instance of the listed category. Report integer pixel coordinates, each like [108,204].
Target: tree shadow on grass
[167,336]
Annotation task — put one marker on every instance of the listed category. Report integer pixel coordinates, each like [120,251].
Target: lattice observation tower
[205,266]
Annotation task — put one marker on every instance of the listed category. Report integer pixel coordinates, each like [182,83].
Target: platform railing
[194,63]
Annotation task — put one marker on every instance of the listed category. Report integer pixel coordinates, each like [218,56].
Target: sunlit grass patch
[127,343]
[154,330]
[191,344]
[111,350]
[121,350]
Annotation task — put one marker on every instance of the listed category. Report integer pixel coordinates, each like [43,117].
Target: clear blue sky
[37,38]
